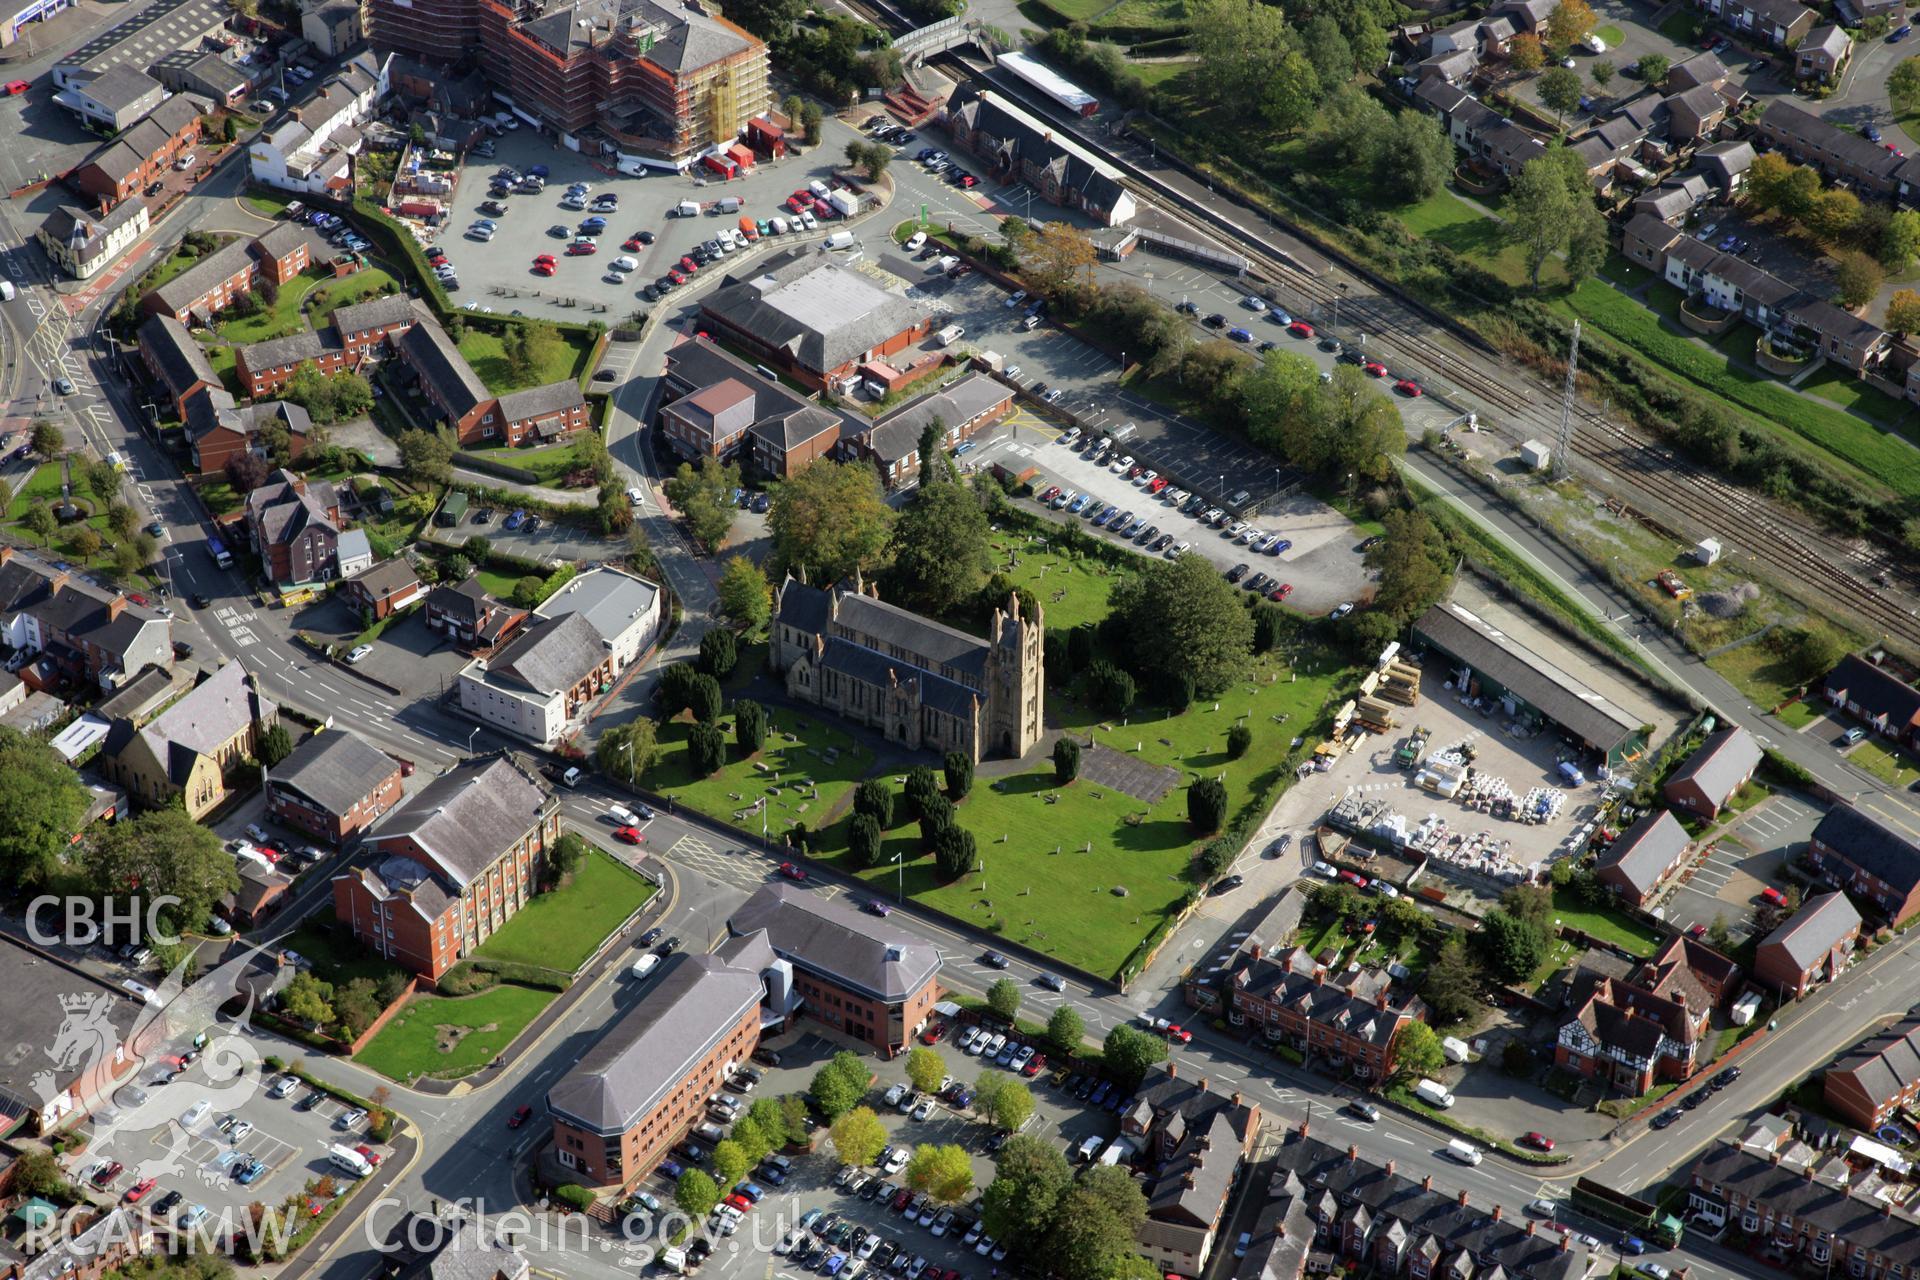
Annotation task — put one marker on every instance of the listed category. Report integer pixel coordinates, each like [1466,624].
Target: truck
[845,203]
[452,511]
[1413,749]
[1433,1093]
[346,1158]
[1673,585]
[218,550]
[949,335]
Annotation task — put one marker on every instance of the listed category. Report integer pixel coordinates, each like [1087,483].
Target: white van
[1433,1093]
[346,1158]
[819,188]
[837,241]
[645,965]
[1089,1148]
[685,209]
[6,291]
[1464,1152]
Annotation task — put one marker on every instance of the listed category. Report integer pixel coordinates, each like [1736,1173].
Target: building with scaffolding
[658,80]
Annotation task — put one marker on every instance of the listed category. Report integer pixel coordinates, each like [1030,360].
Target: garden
[562,928]
[451,1036]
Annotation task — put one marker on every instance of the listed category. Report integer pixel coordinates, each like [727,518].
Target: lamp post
[470,737]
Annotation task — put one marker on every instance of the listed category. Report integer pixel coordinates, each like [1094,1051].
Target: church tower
[1016,680]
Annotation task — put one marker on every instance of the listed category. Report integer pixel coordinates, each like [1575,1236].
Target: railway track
[1796,548]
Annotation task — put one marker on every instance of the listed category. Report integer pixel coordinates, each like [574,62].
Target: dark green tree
[873,797]
[1066,759]
[1452,983]
[1066,1028]
[1514,947]
[706,700]
[923,787]
[1030,1177]
[936,815]
[163,852]
[749,726]
[719,651]
[955,852]
[1181,617]
[43,805]
[1003,997]
[958,769]
[863,840]
[706,749]
[276,744]
[1239,738]
[1207,805]
[1129,1051]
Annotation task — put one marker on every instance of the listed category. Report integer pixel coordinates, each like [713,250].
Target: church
[921,683]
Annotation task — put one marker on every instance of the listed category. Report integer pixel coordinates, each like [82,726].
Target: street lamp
[470,737]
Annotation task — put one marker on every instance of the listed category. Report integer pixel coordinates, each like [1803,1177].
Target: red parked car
[1300,329]
[580,248]
[15,88]
[1407,387]
[791,872]
[368,1154]
[138,1191]
[1036,1066]
[544,268]
[1280,592]
[1375,369]
[689,266]
[1538,1141]
[519,1117]
[935,1029]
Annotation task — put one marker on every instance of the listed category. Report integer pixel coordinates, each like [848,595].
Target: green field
[1609,926]
[1875,458]
[499,585]
[560,929]
[448,1036]
[1757,670]
[1447,219]
[794,755]
[485,352]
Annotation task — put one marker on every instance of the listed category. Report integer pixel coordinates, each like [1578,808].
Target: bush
[1207,805]
[1066,760]
[574,1196]
[1239,738]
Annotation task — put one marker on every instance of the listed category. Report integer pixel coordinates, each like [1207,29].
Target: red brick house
[205,288]
[451,387]
[475,622]
[1878,1077]
[121,169]
[1878,864]
[383,588]
[217,428]
[1643,857]
[177,362]
[1346,1019]
[716,406]
[540,415]
[365,327]
[1708,780]
[451,865]
[1811,948]
[266,367]
[283,253]
[295,526]
[1193,1140]
[332,785]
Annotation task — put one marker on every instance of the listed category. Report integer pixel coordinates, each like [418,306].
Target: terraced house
[1191,1140]
[1346,1019]
[1819,1224]
[451,865]
[1362,1212]
[1875,861]
[1879,1077]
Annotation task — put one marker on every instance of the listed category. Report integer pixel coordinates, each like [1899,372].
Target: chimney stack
[1463,1197]
[1353,1154]
[1173,1069]
[1776,1155]
[1380,1000]
[1204,1082]
[1566,1242]
[1389,1168]
[1496,1213]
[1255,951]
[1236,1097]
[1426,1183]
[1303,1128]
[1530,1226]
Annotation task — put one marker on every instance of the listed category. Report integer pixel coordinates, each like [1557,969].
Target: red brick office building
[856,974]
[451,865]
[333,785]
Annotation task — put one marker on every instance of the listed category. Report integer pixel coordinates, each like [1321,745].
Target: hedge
[383,1133]
[470,976]
[505,470]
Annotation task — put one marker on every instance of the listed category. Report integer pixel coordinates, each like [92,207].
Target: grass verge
[561,928]
[448,1037]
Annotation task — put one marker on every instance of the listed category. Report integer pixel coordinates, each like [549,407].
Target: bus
[1622,1210]
[218,550]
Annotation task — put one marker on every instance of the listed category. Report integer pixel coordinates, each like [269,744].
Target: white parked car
[624,262]
[1121,467]
[914,241]
[359,651]
[895,1161]
[894,1094]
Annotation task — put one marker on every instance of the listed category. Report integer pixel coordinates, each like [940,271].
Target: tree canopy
[1181,617]
[831,519]
[164,852]
[42,805]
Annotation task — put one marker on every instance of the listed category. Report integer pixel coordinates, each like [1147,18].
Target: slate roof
[470,1249]
[1348,1002]
[1822,923]
[1829,321]
[1024,140]
[1727,159]
[877,669]
[1645,850]
[804,607]
[538,402]
[1340,1183]
[1828,39]
[32,1013]
[204,720]
[386,577]
[182,361]
[280,242]
[833,939]
[307,344]
[1852,149]
[1875,691]
[957,403]
[1555,694]
[1722,763]
[465,818]
[120,87]
[935,643]
[552,655]
[1869,844]
[439,362]
[689,1007]
[380,312]
[1701,68]
[333,769]
[1855,1221]
[286,505]
[467,601]
[178,293]
[1702,101]
[817,313]
[68,225]
[1885,1063]
[1783,12]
